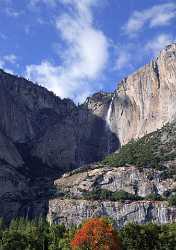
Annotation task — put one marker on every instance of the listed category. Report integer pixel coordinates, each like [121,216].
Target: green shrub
[122,196]
[137,153]
[152,150]
[103,194]
[167,237]
[148,237]
[22,234]
[154,197]
[172,200]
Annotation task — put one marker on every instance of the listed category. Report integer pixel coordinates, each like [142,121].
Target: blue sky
[78,47]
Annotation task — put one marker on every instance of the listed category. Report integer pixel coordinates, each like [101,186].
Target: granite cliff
[143,101]
[42,136]
[73,212]
[136,184]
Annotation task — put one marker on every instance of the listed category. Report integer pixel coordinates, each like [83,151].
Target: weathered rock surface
[42,136]
[134,180]
[143,101]
[34,117]
[73,212]
[71,206]
[146,100]
[8,152]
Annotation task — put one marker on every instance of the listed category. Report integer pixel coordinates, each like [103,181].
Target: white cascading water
[108,116]
[108,125]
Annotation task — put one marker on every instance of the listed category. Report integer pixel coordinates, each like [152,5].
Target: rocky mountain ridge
[42,136]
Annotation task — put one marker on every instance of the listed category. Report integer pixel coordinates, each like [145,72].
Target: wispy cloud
[123,59]
[84,57]
[37,3]
[9,58]
[9,8]
[158,15]
[158,43]
[11,12]
[6,60]
[48,2]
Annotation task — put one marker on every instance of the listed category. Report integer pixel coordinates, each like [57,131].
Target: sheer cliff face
[146,100]
[65,136]
[75,212]
[41,137]
[56,131]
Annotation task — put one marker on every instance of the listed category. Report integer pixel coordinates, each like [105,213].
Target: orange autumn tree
[96,234]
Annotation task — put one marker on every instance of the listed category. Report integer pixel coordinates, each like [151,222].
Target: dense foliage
[96,234]
[147,237]
[104,194]
[34,235]
[137,152]
[149,151]
[172,200]
[39,235]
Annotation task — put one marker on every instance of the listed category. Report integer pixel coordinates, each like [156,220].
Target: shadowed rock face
[41,137]
[53,130]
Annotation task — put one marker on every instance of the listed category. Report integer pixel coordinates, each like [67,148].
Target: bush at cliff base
[96,234]
[148,237]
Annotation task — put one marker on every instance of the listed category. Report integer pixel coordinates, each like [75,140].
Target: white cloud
[158,15]
[6,60]
[12,12]
[10,58]
[34,3]
[56,80]
[1,63]
[134,54]
[158,43]
[84,57]
[86,53]
[123,59]
[48,75]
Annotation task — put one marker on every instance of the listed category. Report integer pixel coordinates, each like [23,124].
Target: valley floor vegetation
[93,234]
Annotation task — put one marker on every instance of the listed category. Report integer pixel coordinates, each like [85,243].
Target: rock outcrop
[134,180]
[145,100]
[70,205]
[126,193]
[74,212]
[42,136]
[33,117]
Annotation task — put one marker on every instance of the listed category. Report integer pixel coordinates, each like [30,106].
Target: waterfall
[108,116]
[108,126]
